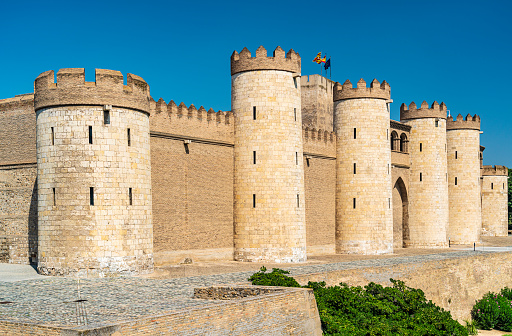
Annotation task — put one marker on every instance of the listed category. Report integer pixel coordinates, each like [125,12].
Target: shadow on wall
[32,227]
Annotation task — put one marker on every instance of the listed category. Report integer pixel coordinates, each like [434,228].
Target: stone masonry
[494,201]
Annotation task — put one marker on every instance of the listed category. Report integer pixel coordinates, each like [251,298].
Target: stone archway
[400,214]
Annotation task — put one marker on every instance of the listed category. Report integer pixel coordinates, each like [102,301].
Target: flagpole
[330,68]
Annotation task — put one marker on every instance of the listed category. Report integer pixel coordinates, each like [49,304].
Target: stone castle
[99,179]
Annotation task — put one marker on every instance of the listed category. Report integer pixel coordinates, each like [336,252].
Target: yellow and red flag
[322,60]
[318,58]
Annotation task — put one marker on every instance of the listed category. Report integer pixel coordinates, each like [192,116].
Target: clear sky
[459,52]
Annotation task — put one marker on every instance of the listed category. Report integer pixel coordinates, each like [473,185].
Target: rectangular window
[388,168]
[130,197]
[295,114]
[421,147]
[389,203]
[354,202]
[254,113]
[106,117]
[387,134]
[129,137]
[307,161]
[254,157]
[455,181]
[355,133]
[503,186]
[296,158]
[90,134]
[298,201]
[91,196]
[492,185]
[355,171]
[421,177]
[54,201]
[295,82]
[437,123]
[456,155]
[254,200]
[53,137]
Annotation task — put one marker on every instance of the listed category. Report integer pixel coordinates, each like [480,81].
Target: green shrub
[373,309]
[486,312]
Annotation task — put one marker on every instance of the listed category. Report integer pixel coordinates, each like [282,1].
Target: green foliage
[494,311]
[471,327]
[373,309]
[275,278]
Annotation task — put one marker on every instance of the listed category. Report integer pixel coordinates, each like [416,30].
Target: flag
[322,60]
[327,64]
[317,58]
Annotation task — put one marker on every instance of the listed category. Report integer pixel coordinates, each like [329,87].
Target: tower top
[376,90]
[460,123]
[412,112]
[494,171]
[245,62]
[108,89]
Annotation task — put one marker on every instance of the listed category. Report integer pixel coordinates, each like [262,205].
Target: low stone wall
[251,311]
[453,283]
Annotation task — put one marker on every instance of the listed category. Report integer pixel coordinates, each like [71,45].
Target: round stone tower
[465,213]
[269,210]
[428,186]
[93,172]
[364,215]
[495,201]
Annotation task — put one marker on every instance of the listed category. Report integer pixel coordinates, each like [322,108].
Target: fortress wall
[192,196]
[317,104]
[17,130]
[495,205]
[450,281]
[18,214]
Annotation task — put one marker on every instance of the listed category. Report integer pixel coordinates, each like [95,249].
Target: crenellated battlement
[319,135]
[244,61]
[494,171]
[436,110]
[463,123]
[108,89]
[16,102]
[376,90]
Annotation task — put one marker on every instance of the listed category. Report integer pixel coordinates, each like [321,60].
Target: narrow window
[254,113]
[91,196]
[298,202]
[307,161]
[354,201]
[355,133]
[129,137]
[421,147]
[389,203]
[455,181]
[185,143]
[254,200]
[492,185]
[106,117]
[437,123]
[90,134]
[53,137]
[387,134]
[503,186]
[130,197]
[388,106]
[295,82]
[296,158]
[355,168]
[456,156]
[54,201]
[388,168]
[421,177]
[254,157]
[295,113]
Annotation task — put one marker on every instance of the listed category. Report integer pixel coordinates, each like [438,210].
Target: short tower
[364,215]
[495,201]
[269,210]
[94,176]
[464,199]
[428,186]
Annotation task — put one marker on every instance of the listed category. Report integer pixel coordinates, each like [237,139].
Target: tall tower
[495,201]
[465,213]
[428,187]
[364,216]
[94,177]
[269,209]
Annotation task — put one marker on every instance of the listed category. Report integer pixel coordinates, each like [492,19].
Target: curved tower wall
[428,187]
[495,201]
[107,236]
[364,215]
[267,88]
[465,213]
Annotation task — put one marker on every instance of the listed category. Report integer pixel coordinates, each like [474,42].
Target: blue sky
[452,51]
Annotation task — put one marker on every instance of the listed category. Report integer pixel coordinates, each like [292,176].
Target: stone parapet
[72,89]
[17,102]
[463,123]
[494,171]
[412,112]
[376,90]
[245,62]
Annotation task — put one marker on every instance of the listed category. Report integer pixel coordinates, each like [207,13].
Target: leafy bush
[373,309]
[494,311]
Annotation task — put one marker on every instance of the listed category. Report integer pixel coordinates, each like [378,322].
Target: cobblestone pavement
[49,300]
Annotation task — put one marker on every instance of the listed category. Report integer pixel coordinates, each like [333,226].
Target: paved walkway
[50,300]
